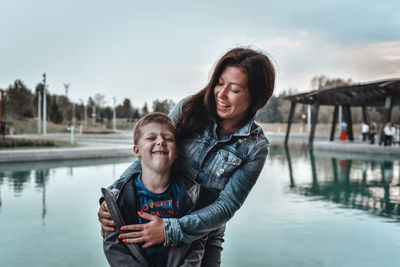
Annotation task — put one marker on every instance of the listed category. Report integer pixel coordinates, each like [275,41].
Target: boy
[152,191]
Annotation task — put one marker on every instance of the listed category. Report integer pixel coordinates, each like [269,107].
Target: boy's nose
[160,141]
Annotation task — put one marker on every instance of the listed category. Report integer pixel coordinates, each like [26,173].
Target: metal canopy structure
[377,94]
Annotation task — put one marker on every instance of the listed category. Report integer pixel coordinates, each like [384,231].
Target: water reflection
[364,184]
[19,176]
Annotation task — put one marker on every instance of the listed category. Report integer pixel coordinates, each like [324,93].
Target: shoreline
[120,145]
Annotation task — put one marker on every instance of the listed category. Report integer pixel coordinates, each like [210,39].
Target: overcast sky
[147,50]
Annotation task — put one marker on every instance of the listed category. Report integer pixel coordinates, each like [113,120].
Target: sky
[148,50]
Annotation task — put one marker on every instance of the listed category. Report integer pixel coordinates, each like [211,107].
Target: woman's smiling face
[232,98]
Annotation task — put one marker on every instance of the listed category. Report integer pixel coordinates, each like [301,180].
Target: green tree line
[21,102]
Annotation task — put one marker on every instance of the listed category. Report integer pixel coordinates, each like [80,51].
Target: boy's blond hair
[155,117]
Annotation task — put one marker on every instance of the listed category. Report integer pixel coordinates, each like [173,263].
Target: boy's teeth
[160,153]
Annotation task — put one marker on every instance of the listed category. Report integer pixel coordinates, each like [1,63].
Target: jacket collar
[246,130]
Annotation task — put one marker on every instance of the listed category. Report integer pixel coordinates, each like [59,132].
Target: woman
[221,146]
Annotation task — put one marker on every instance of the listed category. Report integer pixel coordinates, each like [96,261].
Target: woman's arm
[198,223]
[193,226]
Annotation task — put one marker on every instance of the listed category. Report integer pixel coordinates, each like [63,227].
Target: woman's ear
[136,151]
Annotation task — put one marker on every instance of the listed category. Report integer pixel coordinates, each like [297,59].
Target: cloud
[302,55]
[376,59]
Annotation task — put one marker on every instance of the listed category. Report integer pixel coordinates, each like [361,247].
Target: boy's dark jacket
[122,206]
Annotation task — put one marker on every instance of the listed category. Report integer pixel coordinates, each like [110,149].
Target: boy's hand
[149,234]
[105,219]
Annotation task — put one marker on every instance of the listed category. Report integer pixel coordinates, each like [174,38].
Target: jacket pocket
[222,167]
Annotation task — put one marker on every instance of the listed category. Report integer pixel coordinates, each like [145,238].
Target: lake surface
[307,209]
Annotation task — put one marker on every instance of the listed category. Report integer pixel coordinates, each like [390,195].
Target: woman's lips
[221,105]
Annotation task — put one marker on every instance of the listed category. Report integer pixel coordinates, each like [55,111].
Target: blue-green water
[305,210]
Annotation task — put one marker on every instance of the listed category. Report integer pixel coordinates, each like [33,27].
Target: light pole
[39,110]
[66,85]
[73,114]
[114,117]
[44,105]
[94,114]
[1,105]
[85,114]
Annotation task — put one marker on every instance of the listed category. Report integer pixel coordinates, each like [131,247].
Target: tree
[136,114]
[125,110]
[323,82]
[163,106]
[90,107]
[270,112]
[99,100]
[145,110]
[107,113]
[19,99]
[55,113]
[65,107]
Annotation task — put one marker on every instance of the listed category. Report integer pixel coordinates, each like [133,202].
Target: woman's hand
[150,233]
[105,219]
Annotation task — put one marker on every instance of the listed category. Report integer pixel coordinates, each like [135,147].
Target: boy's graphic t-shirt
[164,205]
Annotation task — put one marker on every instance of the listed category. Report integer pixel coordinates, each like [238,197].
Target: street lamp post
[85,115]
[1,104]
[39,110]
[114,117]
[93,114]
[44,105]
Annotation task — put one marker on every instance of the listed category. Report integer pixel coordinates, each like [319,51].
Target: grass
[29,126]
[10,143]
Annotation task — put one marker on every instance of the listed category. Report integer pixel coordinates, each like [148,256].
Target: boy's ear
[136,151]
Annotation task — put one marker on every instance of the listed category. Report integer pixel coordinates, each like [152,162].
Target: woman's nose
[222,92]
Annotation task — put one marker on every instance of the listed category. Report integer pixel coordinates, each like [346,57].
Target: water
[305,210]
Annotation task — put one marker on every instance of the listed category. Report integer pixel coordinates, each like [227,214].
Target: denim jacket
[232,166]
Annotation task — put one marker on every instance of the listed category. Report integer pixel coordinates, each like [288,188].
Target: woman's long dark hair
[201,107]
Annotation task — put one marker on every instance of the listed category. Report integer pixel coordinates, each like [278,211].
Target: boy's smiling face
[156,147]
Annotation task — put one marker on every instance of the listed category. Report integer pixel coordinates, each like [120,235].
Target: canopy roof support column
[292,107]
[386,115]
[314,119]
[348,120]
[334,122]
[365,114]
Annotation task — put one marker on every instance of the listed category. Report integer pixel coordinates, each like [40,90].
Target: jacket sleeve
[195,254]
[116,252]
[177,110]
[198,223]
